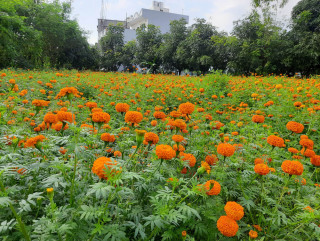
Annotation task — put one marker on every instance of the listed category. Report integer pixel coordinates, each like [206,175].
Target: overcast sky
[221,13]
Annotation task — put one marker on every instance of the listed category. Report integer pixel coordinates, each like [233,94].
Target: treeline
[257,44]
[41,34]
[36,34]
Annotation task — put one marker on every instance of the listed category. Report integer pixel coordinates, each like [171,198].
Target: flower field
[124,156]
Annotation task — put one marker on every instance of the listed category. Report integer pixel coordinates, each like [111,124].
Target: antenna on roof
[103,10]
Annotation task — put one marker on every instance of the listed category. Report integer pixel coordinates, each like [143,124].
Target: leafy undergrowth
[119,156]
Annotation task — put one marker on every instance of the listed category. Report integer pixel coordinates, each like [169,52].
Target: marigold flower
[227,226]
[68,91]
[308,152]
[292,167]
[261,169]
[211,159]
[32,142]
[151,138]
[107,137]
[258,161]
[306,143]
[181,148]
[175,114]
[191,160]
[133,117]
[293,150]
[96,110]
[50,118]
[177,138]
[226,149]
[295,127]
[122,107]
[186,108]
[92,105]
[117,154]
[315,160]
[212,187]
[275,141]
[154,123]
[65,116]
[159,115]
[234,210]
[165,152]
[180,124]
[253,234]
[258,118]
[100,117]
[257,227]
[100,164]
[40,103]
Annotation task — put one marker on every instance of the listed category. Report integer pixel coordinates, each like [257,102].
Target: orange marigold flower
[189,158]
[227,226]
[92,105]
[275,141]
[297,104]
[315,160]
[306,143]
[226,149]
[177,138]
[258,118]
[211,160]
[65,116]
[133,117]
[32,142]
[165,152]
[295,127]
[154,123]
[212,187]
[257,227]
[107,137]
[40,103]
[100,117]
[258,161]
[122,107]
[100,164]
[261,169]
[293,150]
[159,115]
[96,110]
[186,108]
[68,91]
[175,114]
[184,233]
[308,152]
[117,153]
[181,148]
[253,234]
[234,210]
[179,123]
[292,167]
[151,138]
[50,118]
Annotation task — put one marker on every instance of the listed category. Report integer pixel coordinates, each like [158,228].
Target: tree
[149,39]
[111,46]
[128,56]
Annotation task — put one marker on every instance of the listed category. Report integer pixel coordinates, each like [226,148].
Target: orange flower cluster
[150,138]
[100,117]
[261,169]
[212,187]
[189,158]
[92,105]
[122,107]
[234,210]
[226,149]
[275,141]
[100,164]
[165,152]
[227,226]
[67,91]
[186,108]
[134,117]
[211,160]
[65,116]
[40,103]
[295,127]
[50,118]
[315,160]
[292,167]
[159,115]
[32,142]
[107,137]
[258,118]
[253,234]
[177,138]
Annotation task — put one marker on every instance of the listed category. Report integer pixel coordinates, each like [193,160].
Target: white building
[158,15]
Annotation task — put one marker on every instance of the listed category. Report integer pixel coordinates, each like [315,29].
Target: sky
[221,13]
